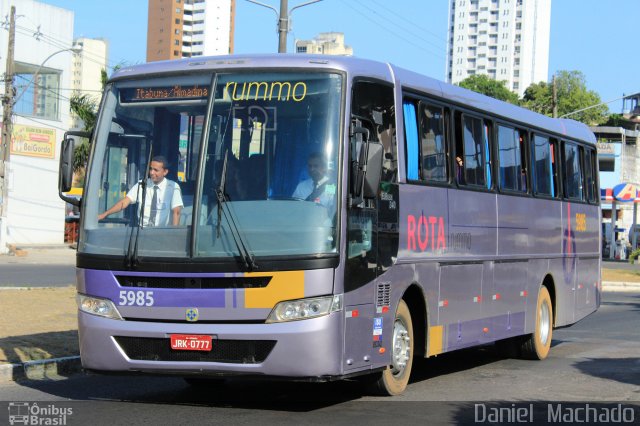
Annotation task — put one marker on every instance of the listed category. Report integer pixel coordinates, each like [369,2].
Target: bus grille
[226,351]
[383,294]
[192,282]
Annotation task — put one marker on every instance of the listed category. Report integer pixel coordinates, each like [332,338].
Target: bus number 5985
[136,298]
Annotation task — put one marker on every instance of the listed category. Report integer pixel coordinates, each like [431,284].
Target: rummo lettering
[267,91]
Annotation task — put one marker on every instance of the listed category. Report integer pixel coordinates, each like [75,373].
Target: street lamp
[9,101]
[283,20]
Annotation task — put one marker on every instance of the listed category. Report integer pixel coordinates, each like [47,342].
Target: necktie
[154,206]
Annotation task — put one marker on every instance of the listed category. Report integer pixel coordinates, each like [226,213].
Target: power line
[52,42]
[417,26]
[392,32]
[27,117]
[59,43]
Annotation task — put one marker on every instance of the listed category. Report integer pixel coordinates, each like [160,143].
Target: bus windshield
[253,174]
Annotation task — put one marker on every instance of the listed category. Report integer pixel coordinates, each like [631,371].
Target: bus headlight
[293,310]
[97,306]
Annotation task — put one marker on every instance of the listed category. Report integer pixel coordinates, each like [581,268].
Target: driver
[318,188]
[163,201]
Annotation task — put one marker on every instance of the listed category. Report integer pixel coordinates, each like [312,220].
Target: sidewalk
[60,254]
[38,326]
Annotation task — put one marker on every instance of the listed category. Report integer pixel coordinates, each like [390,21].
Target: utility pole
[283,26]
[7,113]
[283,19]
[554,97]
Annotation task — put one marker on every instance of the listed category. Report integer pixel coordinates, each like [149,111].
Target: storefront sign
[625,192]
[33,141]
[605,148]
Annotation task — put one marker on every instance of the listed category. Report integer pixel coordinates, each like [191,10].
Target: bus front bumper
[306,348]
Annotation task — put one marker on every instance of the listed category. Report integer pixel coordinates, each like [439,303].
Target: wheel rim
[544,323]
[401,348]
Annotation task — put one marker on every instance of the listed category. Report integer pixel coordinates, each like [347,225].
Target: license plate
[190,342]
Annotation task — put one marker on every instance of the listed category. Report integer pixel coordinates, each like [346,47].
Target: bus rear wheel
[394,379]
[537,345]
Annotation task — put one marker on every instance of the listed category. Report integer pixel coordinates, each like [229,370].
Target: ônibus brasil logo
[26,413]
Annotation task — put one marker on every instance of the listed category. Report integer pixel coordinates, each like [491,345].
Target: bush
[634,255]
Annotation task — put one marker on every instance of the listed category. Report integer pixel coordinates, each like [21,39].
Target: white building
[504,39]
[44,34]
[185,28]
[325,44]
[87,71]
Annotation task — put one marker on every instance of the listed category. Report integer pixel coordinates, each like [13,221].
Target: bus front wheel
[394,379]
[537,345]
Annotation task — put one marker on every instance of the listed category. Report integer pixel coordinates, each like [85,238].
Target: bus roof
[382,71]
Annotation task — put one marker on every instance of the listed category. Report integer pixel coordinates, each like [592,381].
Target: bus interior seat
[256,167]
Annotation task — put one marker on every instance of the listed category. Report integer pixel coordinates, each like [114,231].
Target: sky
[595,37]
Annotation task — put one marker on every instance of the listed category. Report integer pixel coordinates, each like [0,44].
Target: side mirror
[65,179]
[366,166]
[373,171]
[65,176]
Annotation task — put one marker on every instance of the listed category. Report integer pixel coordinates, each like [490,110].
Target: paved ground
[39,324]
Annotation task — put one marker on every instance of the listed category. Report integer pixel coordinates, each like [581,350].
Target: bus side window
[474,144]
[411,139]
[486,134]
[545,169]
[573,176]
[590,175]
[513,171]
[433,158]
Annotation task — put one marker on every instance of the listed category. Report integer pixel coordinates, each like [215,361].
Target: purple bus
[318,218]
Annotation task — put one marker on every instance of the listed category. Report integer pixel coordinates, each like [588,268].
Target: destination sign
[172,93]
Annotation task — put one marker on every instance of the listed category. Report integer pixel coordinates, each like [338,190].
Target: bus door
[371,225]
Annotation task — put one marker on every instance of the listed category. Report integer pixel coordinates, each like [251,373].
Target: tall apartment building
[86,71]
[185,28]
[325,44]
[504,39]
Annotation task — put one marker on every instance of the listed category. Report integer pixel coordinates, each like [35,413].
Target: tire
[394,380]
[537,345]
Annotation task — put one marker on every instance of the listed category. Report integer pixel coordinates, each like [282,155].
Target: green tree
[572,95]
[85,107]
[487,86]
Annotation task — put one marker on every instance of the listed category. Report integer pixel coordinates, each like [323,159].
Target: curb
[41,369]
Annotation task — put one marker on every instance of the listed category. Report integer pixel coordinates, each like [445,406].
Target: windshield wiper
[223,209]
[131,258]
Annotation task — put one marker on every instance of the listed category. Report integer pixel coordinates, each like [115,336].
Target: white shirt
[306,187]
[164,206]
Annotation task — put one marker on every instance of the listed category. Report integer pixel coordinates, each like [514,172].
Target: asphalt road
[595,361]
[12,275]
